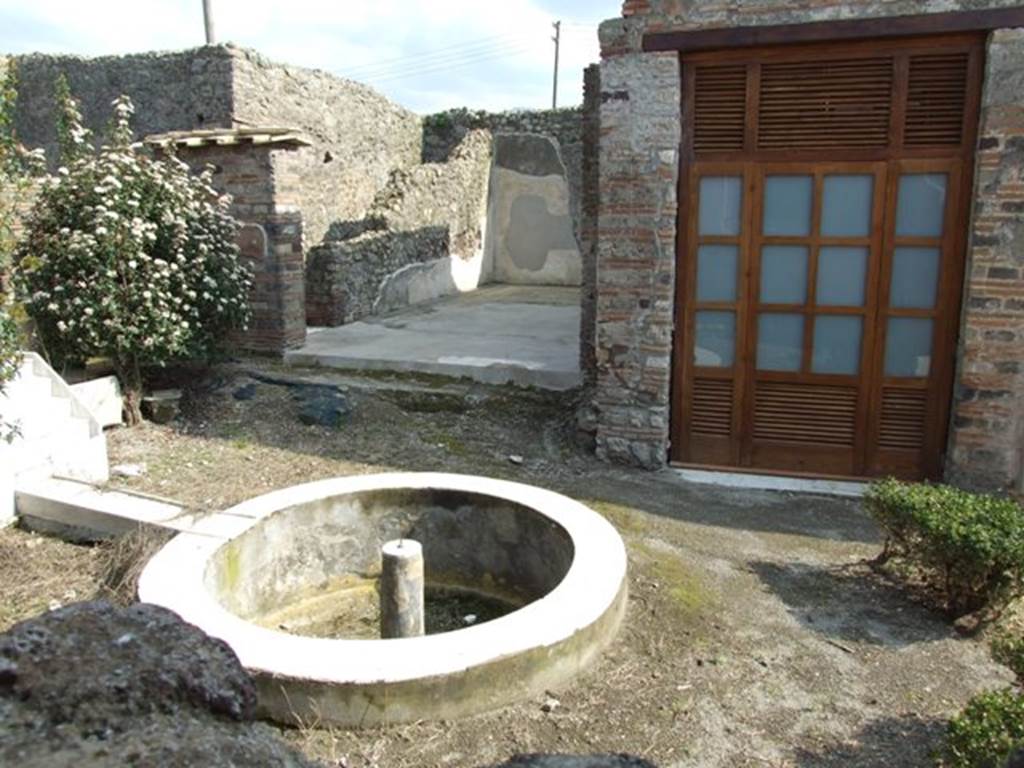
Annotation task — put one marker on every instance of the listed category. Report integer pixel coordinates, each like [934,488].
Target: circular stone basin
[301,548]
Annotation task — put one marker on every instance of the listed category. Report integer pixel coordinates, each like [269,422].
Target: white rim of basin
[175,579]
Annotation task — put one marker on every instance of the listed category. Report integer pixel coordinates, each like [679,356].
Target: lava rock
[576,761]
[322,406]
[247,392]
[92,684]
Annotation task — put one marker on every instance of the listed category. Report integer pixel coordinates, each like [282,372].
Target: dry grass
[39,573]
[121,561]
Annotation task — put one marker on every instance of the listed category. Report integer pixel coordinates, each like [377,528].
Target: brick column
[638,174]
[270,237]
[986,447]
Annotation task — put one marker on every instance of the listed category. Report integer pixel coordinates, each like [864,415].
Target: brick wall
[987,432]
[639,166]
[637,234]
[264,184]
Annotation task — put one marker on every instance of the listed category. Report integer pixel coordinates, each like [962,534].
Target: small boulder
[246,392]
[92,684]
[161,406]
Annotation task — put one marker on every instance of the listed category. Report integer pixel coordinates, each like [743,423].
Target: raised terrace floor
[527,335]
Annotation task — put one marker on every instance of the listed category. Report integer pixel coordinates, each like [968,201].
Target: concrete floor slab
[526,335]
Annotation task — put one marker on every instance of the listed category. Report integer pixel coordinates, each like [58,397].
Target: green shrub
[130,258]
[969,546]
[987,732]
[1008,649]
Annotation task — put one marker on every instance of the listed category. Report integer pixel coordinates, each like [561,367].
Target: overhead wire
[439,54]
[450,57]
[459,65]
[418,64]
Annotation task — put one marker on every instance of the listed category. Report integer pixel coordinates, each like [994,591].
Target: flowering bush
[17,167]
[130,258]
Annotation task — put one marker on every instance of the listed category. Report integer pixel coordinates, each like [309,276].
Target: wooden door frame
[749,159]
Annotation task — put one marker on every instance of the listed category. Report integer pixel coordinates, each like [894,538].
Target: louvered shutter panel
[805,413]
[936,100]
[822,104]
[720,108]
[712,407]
[902,424]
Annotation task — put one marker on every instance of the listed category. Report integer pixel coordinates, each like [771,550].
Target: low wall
[421,239]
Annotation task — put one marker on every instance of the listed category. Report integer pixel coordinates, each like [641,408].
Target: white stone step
[82,512]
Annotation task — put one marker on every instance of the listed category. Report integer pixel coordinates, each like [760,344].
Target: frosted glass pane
[837,341]
[915,278]
[783,274]
[780,342]
[716,339]
[787,205]
[842,274]
[716,272]
[721,199]
[908,347]
[847,205]
[922,205]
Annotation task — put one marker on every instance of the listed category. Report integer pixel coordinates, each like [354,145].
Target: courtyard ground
[757,633]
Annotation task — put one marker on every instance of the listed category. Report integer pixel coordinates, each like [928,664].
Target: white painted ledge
[754,482]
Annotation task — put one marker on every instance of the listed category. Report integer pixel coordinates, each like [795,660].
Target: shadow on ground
[882,743]
[851,604]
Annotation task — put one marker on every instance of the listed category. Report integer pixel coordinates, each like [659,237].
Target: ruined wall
[359,137]
[444,131]
[421,239]
[638,175]
[531,237]
[171,91]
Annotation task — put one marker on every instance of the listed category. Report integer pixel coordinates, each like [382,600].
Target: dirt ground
[756,635]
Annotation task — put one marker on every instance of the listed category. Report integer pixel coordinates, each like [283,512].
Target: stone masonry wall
[359,137]
[637,233]
[589,201]
[987,433]
[421,239]
[639,167]
[444,131]
[171,91]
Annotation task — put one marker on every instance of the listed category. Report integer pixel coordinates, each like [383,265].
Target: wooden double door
[819,284]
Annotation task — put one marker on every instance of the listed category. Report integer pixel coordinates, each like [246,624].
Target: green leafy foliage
[969,546]
[130,258]
[987,732]
[1008,649]
[74,140]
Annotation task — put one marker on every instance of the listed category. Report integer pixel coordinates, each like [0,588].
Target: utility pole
[208,21]
[558,44]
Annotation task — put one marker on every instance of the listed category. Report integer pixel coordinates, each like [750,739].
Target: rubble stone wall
[421,239]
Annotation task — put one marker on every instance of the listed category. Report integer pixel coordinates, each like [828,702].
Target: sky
[427,55]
